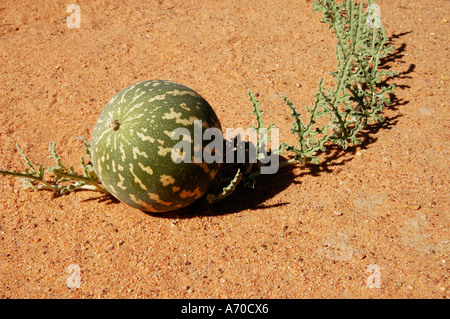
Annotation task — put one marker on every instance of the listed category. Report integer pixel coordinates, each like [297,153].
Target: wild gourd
[132,146]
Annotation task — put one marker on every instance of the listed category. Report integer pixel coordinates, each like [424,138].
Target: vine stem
[93,185]
[31,177]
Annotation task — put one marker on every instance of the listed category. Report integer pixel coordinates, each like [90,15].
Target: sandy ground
[368,223]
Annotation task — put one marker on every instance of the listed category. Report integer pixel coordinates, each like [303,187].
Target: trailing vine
[356,100]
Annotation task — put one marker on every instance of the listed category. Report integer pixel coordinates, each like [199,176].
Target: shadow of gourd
[244,195]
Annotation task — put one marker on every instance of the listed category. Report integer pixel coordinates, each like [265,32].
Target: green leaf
[226,191]
[64,181]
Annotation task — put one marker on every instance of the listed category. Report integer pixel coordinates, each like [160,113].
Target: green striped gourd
[132,142]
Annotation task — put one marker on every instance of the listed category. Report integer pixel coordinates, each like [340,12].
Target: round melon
[132,146]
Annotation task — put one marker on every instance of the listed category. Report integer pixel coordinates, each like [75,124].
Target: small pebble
[360,255]
[414,206]
[337,213]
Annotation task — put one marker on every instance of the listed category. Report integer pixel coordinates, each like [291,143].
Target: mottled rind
[134,161]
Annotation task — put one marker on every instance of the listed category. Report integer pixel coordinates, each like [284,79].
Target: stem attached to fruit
[113,124]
